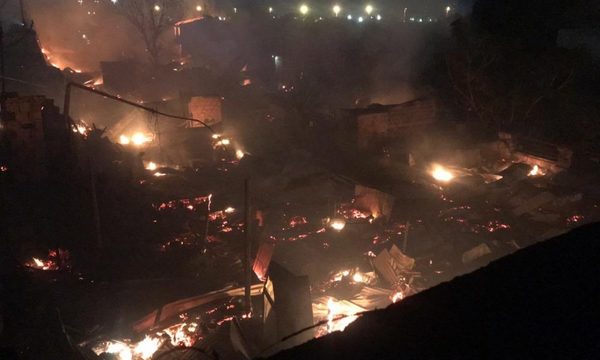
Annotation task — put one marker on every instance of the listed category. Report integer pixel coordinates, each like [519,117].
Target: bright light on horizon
[336,10]
[303,9]
[198,8]
[369,9]
[156,8]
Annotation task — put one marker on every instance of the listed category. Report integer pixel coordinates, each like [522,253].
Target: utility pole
[405,242]
[91,165]
[2,72]
[248,248]
[22,12]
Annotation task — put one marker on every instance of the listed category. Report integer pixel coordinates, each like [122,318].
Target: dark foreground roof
[541,302]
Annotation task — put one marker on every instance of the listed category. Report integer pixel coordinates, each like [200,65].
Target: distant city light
[369,9]
[360,19]
[114,1]
[336,10]
[156,8]
[378,17]
[303,9]
[235,10]
[349,17]
[198,8]
[270,10]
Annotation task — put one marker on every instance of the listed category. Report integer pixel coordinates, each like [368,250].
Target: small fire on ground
[442,174]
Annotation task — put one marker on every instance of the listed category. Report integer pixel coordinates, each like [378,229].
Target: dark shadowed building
[379,124]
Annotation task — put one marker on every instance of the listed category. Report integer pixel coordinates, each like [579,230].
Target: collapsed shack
[356,248]
[342,247]
[545,313]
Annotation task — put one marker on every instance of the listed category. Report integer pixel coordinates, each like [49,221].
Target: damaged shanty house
[179,143]
[387,129]
[36,136]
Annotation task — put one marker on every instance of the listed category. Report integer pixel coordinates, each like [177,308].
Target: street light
[336,10]
[198,8]
[156,8]
[369,9]
[303,9]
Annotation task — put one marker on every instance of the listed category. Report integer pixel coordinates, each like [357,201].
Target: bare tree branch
[151,18]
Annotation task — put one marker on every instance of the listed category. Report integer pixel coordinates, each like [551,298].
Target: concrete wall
[396,122]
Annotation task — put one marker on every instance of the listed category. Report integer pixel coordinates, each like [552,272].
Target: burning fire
[336,321]
[136,139]
[440,173]
[182,334]
[56,62]
[124,140]
[239,154]
[121,349]
[42,264]
[358,277]
[535,171]
[338,224]
[38,262]
[147,347]
[397,296]
[151,166]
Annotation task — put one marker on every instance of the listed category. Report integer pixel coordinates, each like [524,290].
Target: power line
[67,104]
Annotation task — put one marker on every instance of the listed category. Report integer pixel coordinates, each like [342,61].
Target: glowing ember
[575,219]
[159,174]
[239,154]
[338,224]
[440,173]
[229,210]
[182,334]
